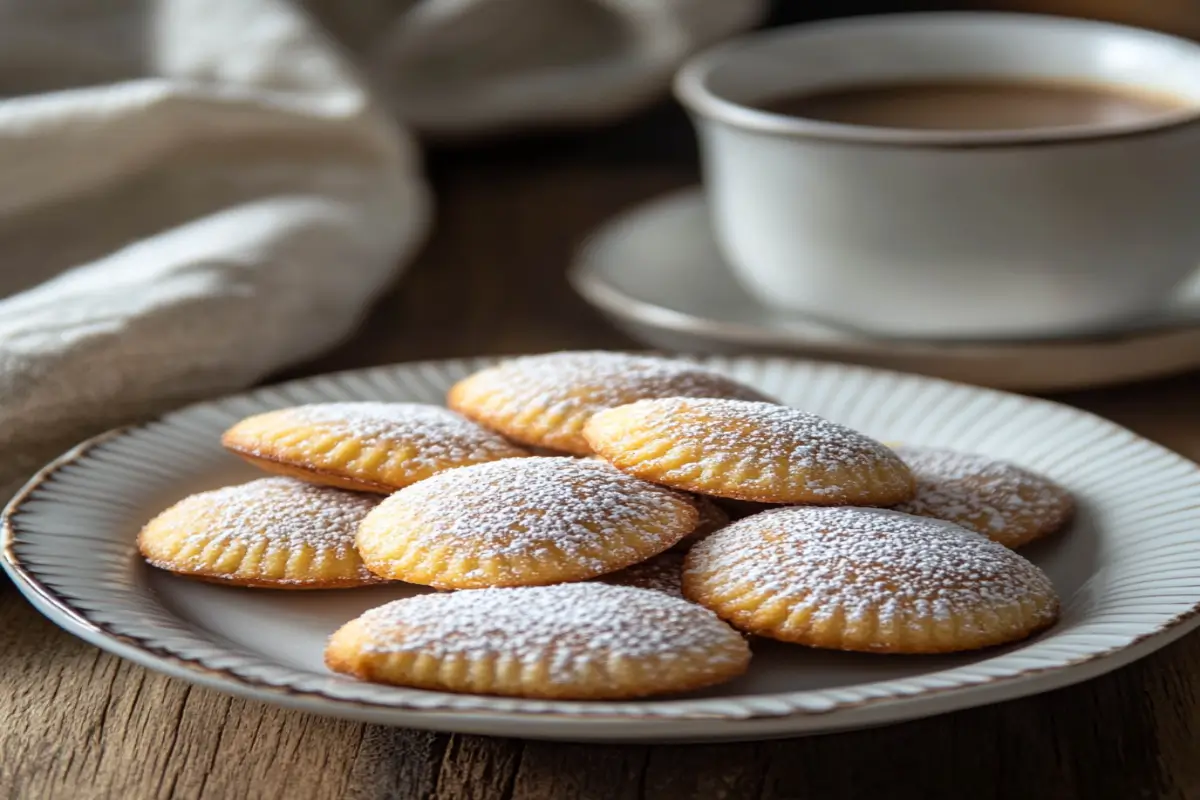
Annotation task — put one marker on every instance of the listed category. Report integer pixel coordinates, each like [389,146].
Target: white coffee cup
[945,233]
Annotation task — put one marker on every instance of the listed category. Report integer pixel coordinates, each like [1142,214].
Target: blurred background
[200,195]
[545,192]
[1176,16]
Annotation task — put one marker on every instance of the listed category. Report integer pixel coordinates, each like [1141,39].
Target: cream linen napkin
[196,192]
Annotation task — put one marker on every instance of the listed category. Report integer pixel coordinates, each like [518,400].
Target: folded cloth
[194,193]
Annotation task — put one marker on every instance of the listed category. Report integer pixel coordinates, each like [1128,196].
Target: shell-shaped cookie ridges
[760,452]
[522,522]
[579,641]
[545,400]
[1000,500]
[870,580]
[369,446]
[271,532]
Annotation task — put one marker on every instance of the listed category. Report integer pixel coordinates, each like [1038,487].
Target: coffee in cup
[954,175]
[978,105]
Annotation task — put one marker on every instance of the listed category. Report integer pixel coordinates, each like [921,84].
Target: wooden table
[77,723]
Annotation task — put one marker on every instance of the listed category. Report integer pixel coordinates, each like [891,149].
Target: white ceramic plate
[655,271]
[1128,572]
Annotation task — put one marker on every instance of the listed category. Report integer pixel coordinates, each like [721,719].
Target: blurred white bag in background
[471,67]
[194,193]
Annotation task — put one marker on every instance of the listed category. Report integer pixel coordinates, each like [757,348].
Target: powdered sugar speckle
[862,562]
[782,445]
[284,513]
[610,378]
[436,433]
[541,507]
[565,627]
[992,497]
[545,400]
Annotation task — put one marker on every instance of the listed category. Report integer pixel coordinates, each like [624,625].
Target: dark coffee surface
[977,105]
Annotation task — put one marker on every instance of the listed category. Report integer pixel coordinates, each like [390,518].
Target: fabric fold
[196,193]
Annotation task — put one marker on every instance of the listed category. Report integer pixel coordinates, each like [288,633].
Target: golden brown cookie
[868,579]
[581,641]
[270,533]
[374,447]
[544,401]
[1004,502]
[663,573]
[521,522]
[712,517]
[743,450]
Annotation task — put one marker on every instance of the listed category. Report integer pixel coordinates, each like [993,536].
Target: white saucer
[656,273]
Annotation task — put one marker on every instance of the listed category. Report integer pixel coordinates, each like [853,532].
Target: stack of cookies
[573,510]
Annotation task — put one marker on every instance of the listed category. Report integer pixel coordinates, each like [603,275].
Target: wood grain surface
[77,723]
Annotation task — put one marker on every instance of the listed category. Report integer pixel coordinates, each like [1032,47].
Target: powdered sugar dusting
[768,434]
[566,627]
[436,433]
[863,562]
[539,507]
[614,378]
[990,496]
[286,513]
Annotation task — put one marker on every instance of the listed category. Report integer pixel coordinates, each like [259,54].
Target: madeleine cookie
[712,517]
[544,401]
[760,452]
[1004,502]
[868,579]
[521,522]
[374,447]
[581,641]
[271,533]
[663,573]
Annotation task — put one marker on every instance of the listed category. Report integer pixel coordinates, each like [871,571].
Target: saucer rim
[589,281]
[1052,365]
[690,87]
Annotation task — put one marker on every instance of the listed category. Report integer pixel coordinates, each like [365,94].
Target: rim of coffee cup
[693,82]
